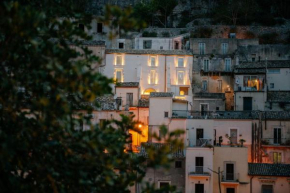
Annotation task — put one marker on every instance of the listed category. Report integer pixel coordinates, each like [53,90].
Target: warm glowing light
[182,93]
[180,97]
[139,125]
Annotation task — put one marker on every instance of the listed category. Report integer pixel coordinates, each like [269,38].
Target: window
[81,27]
[147,44]
[152,61]
[225,48]
[205,65]
[228,64]
[253,83]
[204,85]
[176,45]
[230,190]
[267,188]
[119,60]
[277,135]
[201,48]
[217,108]
[220,85]
[152,77]
[183,91]
[99,28]
[161,47]
[271,85]
[274,71]
[199,165]
[119,75]
[277,157]
[129,99]
[180,77]
[164,184]
[121,45]
[253,57]
[234,136]
[230,174]
[180,62]
[166,114]
[178,164]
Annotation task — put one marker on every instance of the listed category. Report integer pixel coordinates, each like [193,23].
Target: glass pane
[152,61]
[180,62]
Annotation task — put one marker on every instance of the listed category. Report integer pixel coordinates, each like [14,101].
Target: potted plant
[242,142]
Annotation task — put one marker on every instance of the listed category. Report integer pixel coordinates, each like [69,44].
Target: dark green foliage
[202,32]
[42,80]
[149,34]
[269,38]
[249,35]
[165,34]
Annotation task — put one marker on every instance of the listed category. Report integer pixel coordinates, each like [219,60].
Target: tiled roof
[161,52]
[264,64]
[209,95]
[161,94]
[260,67]
[177,154]
[127,84]
[278,96]
[143,102]
[106,103]
[263,169]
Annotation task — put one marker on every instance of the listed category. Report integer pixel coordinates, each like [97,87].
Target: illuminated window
[277,157]
[254,83]
[180,62]
[225,47]
[228,64]
[152,77]
[180,77]
[205,65]
[119,75]
[201,48]
[119,60]
[152,61]
[183,91]
[149,90]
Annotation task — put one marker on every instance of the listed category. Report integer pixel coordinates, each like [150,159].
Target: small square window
[166,114]
[121,45]
[217,108]
[147,44]
[178,164]
[272,85]
[161,47]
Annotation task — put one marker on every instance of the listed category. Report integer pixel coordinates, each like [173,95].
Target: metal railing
[202,142]
[230,177]
[276,141]
[200,170]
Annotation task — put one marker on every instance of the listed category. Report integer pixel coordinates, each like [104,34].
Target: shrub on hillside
[203,32]
[268,38]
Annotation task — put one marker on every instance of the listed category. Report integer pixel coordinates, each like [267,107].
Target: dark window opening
[165,114]
[99,28]
[178,164]
[121,45]
[82,27]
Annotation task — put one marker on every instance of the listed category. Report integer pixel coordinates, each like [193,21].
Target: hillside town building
[231,97]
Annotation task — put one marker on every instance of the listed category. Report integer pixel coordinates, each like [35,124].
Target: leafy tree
[42,81]
[165,8]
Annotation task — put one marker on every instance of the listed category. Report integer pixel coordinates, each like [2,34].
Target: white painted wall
[159,43]
[280,80]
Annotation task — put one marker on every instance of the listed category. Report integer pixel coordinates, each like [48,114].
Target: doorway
[199,188]
[248,104]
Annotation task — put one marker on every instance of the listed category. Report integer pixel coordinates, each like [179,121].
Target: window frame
[116,77]
[228,64]
[225,48]
[201,47]
[178,62]
[206,65]
[120,58]
[145,44]
[183,78]
[152,57]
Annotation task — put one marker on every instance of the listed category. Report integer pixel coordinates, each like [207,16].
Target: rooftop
[160,52]
[273,115]
[143,102]
[161,94]
[209,95]
[127,84]
[278,96]
[264,64]
[263,169]
[177,154]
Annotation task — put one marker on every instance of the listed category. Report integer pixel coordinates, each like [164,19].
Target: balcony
[275,142]
[202,142]
[200,171]
[230,178]
[214,114]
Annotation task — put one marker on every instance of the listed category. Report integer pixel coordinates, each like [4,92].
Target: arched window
[149,90]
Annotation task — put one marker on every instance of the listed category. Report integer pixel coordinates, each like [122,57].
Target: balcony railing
[276,141]
[202,142]
[230,177]
[199,170]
